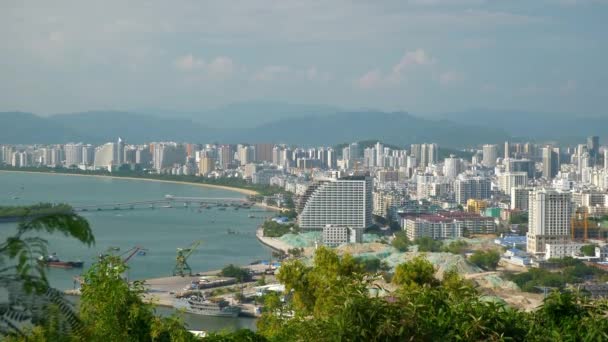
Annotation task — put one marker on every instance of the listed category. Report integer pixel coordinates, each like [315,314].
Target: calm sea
[159,230]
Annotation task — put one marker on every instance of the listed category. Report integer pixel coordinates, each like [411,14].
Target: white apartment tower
[550,212]
[490,154]
[345,202]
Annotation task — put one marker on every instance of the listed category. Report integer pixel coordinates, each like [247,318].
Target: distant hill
[564,128]
[133,127]
[392,128]
[240,115]
[27,128]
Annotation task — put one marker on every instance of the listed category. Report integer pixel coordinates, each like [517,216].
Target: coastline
[210,186]
[272,243]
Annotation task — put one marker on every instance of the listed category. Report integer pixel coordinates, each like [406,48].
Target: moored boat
[53,261]
[201,306]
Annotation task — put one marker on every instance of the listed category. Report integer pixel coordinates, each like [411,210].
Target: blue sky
[422,56]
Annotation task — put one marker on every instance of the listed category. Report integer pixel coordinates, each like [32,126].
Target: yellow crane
[181,260]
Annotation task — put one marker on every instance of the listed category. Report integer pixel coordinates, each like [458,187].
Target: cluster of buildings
[343,190]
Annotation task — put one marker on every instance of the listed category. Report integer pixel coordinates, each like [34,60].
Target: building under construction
[582,228]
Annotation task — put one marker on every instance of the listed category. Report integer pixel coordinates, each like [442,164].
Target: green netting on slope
[497,282]
[302,240]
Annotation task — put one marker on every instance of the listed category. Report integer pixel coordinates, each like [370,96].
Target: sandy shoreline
[211,186]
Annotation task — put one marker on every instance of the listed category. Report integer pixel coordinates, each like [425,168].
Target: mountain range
[303,125]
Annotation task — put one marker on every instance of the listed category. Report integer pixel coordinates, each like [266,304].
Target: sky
[421,56]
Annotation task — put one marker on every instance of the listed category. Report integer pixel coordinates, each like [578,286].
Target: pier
[168,201]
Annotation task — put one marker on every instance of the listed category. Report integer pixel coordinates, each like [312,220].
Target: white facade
[490,154]
[334,236]
[73,154]
[104,156]
[510,180]
[562,250]
[550,212]
[342,202]
[434,228]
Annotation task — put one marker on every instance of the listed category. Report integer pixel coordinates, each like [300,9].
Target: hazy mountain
[27,128]
[540,126]
[396,128]
[247,114]
[135,128]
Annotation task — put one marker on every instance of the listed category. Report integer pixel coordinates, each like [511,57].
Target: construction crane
[137,250]
[181,260]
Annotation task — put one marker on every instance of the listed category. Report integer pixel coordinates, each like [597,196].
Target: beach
[211,186]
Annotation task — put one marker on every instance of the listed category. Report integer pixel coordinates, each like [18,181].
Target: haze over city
[420,56]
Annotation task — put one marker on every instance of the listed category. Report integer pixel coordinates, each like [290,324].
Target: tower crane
[181,260]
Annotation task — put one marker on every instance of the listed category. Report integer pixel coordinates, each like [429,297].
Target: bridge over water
[168,201]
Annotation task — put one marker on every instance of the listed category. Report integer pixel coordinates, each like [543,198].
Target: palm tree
[25,295]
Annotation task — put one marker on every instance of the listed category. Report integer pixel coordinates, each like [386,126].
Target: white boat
[201,306]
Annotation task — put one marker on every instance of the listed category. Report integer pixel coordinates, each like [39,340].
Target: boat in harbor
[199,305]
[53,261]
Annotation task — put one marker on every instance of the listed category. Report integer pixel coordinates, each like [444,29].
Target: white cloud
[410,61]
[221,66]
[271,73]
[188,63]
[449,78]
[371,79]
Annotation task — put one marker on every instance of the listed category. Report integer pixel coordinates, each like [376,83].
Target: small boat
[221,208]
[113,248]
[251,216]
[53,261]
[167,206]
[141,253]
[201,306]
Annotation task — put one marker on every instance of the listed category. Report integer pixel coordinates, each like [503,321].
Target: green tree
[428,244]
[112,309]
[588,250]
[488,260]
[400,241]
[417,272]
[233,271]
[456,247]
[30,298]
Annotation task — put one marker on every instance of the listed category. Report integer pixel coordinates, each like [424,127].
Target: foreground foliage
[334,300]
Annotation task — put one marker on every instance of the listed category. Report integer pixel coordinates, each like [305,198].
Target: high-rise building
[119,158]
[467,188]
[416,151]
[490,154]
[520,165]
[166,154]
[549,218]
[104,156]
[263,152]
[343,202]
[593,147]
[206,165]
[143,156]
[246,154]
[606,159]
[73,154]
[507,150]
[550,163]
[519,198]
[226,156]
[452,167]
[88,154]
[510,180]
